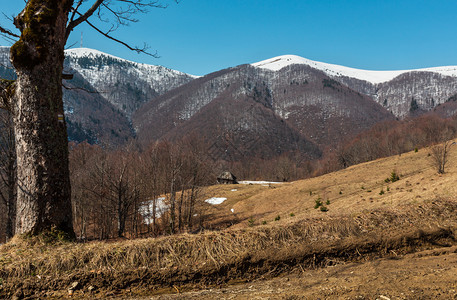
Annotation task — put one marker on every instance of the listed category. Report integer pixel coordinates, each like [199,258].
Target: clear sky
[202,36]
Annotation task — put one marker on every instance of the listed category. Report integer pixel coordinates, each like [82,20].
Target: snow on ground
[259,182]
[215,200]
[277,63]
[146,210]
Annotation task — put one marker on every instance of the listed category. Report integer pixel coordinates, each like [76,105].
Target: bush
[317,203]
[393,177]
[324,208]
[381,192]
[292,214]
[251,222]
[278,218]
[327,202]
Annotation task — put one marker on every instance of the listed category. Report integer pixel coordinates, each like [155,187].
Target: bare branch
[82,17]
[79,89]
[8,32]
[133,48]
[75,9]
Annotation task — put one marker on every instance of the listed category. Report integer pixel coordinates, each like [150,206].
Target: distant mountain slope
[293,109]
[125,84]
[105,91]
[401,92]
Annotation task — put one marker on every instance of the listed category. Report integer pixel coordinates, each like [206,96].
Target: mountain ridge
[372,76]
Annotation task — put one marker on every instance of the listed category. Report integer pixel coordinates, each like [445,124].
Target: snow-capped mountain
[374,77]
[125,84]
[280,105]
[105,91]
[249,111]
[401,92]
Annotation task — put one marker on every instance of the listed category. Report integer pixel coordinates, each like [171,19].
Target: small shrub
[292,214]
[327,202]
[264,222]
[416,150]
[363,187]
[368,191]
[251,222]
[381,192]
[341,192]
[324,208]
[388,189]
[317,203]
[394,177]
[310,193]
[278,217]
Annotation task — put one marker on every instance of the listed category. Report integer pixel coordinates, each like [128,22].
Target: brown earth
[430,274]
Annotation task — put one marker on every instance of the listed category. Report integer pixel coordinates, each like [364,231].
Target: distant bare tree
[440,155]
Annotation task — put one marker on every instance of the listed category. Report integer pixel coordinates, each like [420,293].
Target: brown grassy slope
[418,212]
[360,188]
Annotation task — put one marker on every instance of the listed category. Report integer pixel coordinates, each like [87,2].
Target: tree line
[160,189]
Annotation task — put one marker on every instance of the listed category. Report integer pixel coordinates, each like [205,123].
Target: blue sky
[202,36]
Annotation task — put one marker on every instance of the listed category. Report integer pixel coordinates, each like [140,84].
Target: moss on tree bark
[44,194]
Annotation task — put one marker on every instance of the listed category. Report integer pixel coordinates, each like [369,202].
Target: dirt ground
[430,274]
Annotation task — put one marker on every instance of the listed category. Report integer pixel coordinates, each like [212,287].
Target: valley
[363,237]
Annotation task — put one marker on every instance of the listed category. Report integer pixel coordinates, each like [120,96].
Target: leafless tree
[440,152]
[44,26]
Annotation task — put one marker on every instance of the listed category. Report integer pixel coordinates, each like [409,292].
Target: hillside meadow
[264,234]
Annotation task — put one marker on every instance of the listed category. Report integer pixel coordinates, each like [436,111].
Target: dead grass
[359,185]
[419,211]
[30,264]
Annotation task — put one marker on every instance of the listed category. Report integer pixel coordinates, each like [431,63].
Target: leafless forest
[160,189]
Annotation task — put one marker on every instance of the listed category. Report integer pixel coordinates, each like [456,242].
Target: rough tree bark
[43,196]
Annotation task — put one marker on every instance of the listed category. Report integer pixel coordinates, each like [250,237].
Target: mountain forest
[286,178]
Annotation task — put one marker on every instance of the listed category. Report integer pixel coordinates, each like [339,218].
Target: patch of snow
[232,210]
[146,210]
[215,200]
[234,190]
[265,183]
[277,63]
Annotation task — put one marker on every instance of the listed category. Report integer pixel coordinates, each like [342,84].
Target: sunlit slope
[349,192]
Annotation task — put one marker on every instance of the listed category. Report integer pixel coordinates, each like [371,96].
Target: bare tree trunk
[181,200]
[43,198]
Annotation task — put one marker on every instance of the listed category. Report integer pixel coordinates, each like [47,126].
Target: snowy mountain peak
[277,63]
[77,53]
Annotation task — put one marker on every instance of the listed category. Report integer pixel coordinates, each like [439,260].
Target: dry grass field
[350,191]
[376,238]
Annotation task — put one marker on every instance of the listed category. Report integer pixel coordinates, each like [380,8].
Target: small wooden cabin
[227,178]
